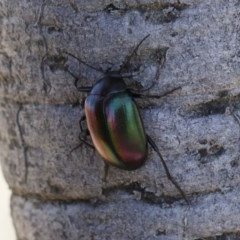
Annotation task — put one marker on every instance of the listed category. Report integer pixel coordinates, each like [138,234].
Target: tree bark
[59,194]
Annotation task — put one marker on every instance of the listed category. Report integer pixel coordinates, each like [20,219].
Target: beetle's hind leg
[82,137]
[169,176]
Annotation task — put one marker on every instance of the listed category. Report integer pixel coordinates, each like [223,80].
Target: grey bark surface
[59,194]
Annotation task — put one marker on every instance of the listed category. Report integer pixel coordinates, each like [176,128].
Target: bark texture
[59,194]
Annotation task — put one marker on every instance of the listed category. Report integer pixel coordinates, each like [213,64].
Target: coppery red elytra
[114,123]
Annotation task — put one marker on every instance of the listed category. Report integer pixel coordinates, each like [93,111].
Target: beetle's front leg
[86,89]
[140,95]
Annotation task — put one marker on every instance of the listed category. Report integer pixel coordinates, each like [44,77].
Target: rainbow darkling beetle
[114,122]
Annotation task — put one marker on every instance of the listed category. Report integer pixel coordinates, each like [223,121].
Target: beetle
[114,122]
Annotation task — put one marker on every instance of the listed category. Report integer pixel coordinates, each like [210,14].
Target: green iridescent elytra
[115,125]
[114,122]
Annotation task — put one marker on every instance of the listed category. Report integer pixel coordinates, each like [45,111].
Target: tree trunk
[61,194]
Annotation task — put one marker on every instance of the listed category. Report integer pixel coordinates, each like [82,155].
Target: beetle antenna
[128,58]
[169,176]
[84,63]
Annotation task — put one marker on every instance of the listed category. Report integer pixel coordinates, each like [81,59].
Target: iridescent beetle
[114,122]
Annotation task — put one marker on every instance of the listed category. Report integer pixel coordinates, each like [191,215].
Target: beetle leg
[84,132]
[169,176]
[76,79]
[83,140]
[82,119]
[139,95]
[81,103]
[76,104]
[84,89]
[106,167]
[75,148]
